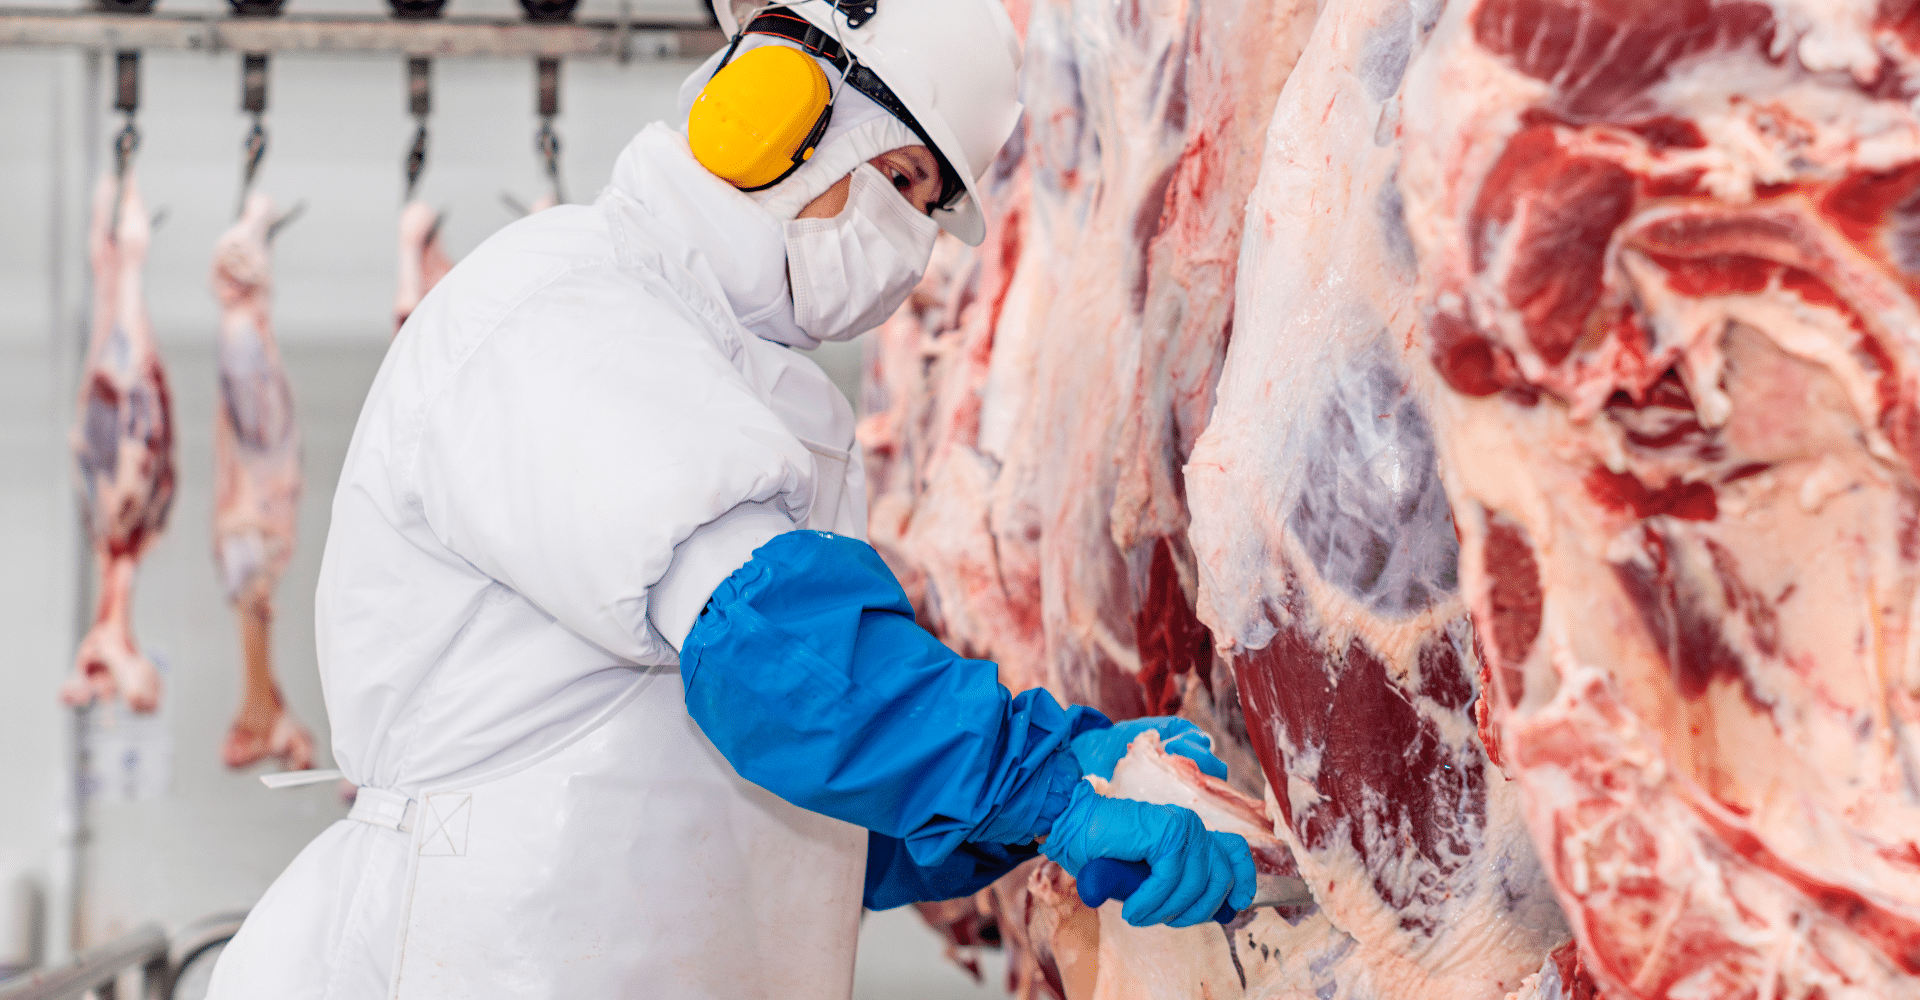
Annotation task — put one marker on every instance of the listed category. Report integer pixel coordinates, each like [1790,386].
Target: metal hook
[549,145]
[256,150]
[417,158]
[547,105]
[253,100]
[286,219]
[125,144]
[420,104]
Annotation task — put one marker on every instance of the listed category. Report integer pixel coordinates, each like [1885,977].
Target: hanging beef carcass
[1328,560]
[1028,420]
[1029,411]
[423,259]
[921,398]
[1669,282]
[123,448]
[256,483]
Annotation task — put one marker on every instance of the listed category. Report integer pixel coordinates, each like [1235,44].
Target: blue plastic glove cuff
[1031,814]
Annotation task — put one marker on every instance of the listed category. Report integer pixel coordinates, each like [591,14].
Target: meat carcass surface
[122,443]
[423,259]
[256,482]
[1668,281]
[1027,421]
[1028,412]
[1563,976]
[1328,559]
[1208,960]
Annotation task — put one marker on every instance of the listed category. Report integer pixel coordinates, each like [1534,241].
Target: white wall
[211,839]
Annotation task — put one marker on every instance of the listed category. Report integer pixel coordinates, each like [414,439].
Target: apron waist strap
[383,808]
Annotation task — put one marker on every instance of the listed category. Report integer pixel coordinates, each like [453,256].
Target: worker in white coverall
[632,710]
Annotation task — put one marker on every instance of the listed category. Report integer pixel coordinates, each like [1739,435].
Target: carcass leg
[108,660]
[1068,928]
[263,728]
[423,260]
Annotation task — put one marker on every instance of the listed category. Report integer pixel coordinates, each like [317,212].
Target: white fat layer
[1834,36]
[1148,773]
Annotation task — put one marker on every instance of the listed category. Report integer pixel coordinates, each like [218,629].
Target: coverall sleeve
[567,455]
[895,879]
[807,671]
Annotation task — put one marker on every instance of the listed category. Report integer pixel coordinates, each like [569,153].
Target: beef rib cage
[1666,287]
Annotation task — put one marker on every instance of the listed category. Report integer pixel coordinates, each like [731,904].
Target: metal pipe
[97,969]
[72,329]
[450,36]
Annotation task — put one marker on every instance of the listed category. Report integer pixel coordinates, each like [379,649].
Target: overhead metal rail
[96,970]
[620,39]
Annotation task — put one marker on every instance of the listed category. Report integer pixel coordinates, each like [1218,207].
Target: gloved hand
[1194,868]
[1099,750]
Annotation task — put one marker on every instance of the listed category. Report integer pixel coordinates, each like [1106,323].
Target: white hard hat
[954,66]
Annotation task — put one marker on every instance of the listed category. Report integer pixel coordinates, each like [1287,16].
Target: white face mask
[850,272]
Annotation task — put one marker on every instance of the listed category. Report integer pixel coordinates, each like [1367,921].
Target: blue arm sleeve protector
[807,671]
[893,879]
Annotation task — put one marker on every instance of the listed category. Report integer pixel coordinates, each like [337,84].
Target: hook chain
[417,156]
[125,143]
[549,145]
[256,151]
[420,104]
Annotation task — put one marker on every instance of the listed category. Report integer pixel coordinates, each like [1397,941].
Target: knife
[1103,879]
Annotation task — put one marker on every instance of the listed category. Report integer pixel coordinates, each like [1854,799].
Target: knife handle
[1110,878]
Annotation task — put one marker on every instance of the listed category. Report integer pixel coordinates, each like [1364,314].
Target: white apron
[647,817]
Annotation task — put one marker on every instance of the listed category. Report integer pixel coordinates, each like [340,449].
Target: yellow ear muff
[759,116]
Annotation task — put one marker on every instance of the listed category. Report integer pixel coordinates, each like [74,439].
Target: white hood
[722,235]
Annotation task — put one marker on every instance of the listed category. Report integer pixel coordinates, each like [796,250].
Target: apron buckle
[383,808]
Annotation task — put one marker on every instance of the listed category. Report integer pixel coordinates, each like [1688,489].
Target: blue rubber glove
[1100,750]
[1194,869]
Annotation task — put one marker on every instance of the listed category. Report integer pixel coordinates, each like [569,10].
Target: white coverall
[539,817]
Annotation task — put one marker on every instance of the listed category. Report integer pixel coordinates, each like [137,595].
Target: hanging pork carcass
[423,259]
[1668,312]
[122,444]
[257,483]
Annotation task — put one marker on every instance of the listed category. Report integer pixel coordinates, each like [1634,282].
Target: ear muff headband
[760,116]
[794,28]
[752,148]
